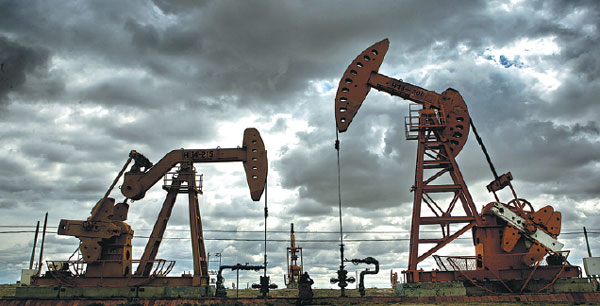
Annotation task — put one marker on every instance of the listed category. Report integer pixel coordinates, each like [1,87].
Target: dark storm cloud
[7,204]
[590,128]
[310,208]
[17,178]
[375,180]
[156,130]
[172,41]
[581,40]
[263,67]
[381,249]
[120,91]
[317,178]
[540,157]
[16,62]
[236,208]
[575,98]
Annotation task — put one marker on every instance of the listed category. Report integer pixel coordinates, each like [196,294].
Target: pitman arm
[252,154]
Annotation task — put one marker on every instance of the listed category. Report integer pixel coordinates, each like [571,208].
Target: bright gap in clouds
[231,132]
[322,87]
[527,56]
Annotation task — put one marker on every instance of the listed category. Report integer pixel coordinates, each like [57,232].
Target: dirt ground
[371,292]
[326,297]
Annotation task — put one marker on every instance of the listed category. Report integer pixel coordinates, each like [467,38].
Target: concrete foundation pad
[146,292]
[455,288]
[96,292]
[465,288]
[31,292]
[175,292]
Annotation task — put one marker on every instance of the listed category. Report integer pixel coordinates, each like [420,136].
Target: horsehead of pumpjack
[362,74]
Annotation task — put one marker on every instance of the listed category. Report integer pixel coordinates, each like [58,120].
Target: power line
[298,240]
[282,231]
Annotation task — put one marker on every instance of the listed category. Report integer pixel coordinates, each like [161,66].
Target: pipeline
[369,261]
[221,291]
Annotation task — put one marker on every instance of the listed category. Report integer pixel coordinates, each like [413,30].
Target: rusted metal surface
[252,154]
[505,248]
[394,279]
[361,75]
[130,281]
[105,243]
[105,239]
[435,163]
[354,86]
[294,270]
[153,244]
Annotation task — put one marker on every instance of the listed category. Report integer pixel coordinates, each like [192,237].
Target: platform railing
[161,267]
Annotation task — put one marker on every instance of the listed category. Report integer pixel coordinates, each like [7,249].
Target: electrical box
[26,275]
[591,265]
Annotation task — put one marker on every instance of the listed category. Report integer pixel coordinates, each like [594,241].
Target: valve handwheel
[522,206]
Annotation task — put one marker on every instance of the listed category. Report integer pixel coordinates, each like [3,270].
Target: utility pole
[587,242]
[42,247]
[37,230]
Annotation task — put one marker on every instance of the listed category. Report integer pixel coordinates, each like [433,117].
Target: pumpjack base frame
[541,273]
[466,289]
[149,291]
[98,282]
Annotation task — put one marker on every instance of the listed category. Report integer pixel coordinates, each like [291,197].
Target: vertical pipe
[292,237]
[37,230]
[342,280]
[337,146]
[266,215]
[301,263]
[42,247]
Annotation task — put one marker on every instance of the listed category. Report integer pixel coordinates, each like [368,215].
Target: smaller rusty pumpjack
[293,269]
[105,238]
[511,239]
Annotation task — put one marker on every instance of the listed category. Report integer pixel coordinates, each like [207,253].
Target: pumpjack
[105,239]
[511,239]
[294,271]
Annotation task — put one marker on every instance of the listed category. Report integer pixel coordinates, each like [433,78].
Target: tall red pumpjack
[511,239]
[105,239]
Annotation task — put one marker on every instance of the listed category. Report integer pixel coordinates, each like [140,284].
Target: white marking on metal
[513,219]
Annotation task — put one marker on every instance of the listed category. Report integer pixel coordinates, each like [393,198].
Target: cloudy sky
[83,83]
